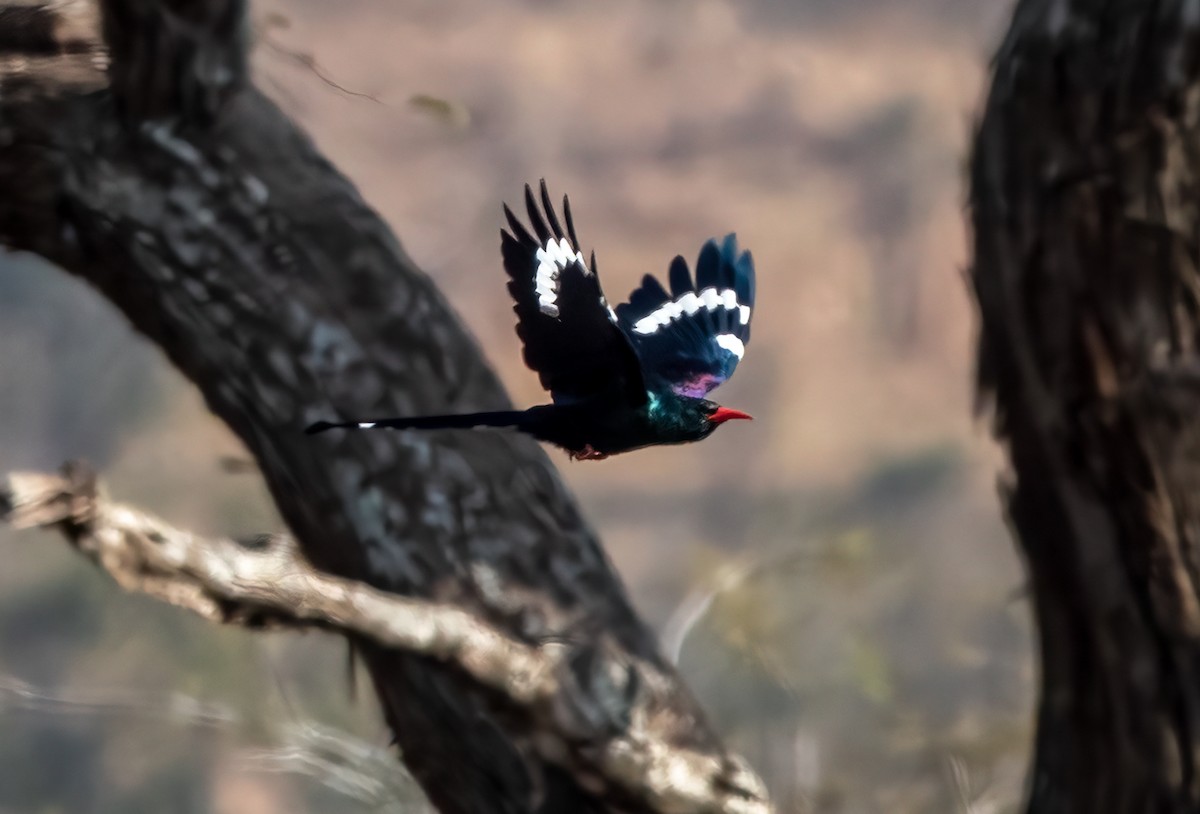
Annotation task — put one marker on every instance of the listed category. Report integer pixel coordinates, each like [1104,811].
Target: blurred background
[835,579]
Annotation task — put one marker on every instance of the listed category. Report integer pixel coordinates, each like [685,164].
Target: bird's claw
[586,454]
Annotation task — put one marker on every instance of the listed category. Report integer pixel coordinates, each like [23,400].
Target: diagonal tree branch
[143,160]
[267,582]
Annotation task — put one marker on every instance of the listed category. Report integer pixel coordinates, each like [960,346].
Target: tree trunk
[189,200]
[1086,219]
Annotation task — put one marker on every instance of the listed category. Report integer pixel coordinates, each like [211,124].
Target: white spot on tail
[366,425]
[552,259]
[732,344]
[689,304]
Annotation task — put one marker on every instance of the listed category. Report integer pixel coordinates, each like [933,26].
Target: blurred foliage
[843,637]
[444,111]
[871,670]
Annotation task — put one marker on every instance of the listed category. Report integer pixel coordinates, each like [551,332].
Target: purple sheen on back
[698,386]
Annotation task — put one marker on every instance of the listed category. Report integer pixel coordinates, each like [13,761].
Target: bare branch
[52,40]
[62,26]
[268,582]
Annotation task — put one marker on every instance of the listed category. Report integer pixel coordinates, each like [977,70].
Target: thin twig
[336,759]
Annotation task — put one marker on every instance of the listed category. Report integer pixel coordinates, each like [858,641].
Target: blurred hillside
[835,576]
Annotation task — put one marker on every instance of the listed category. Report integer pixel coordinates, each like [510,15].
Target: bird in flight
[620,379]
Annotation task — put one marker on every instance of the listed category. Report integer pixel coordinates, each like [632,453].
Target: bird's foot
[586,454]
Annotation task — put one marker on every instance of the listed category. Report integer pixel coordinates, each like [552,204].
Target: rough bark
[191,202]
[265,582]
[1086,222]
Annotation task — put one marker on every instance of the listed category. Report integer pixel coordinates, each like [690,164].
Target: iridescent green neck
[667,410]
[654,404]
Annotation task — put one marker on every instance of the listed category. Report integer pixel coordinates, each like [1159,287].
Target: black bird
[622,379]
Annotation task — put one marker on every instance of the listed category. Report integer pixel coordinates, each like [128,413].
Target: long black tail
[466,421]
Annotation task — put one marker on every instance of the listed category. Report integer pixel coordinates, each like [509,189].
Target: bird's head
[712,415]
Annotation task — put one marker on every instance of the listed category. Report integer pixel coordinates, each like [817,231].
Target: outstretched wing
[692,339]
[570,334]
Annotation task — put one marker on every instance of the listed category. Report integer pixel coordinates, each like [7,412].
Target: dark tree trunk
[1086,211]
[191,202]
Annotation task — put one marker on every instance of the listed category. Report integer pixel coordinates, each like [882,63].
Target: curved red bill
[725,414]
